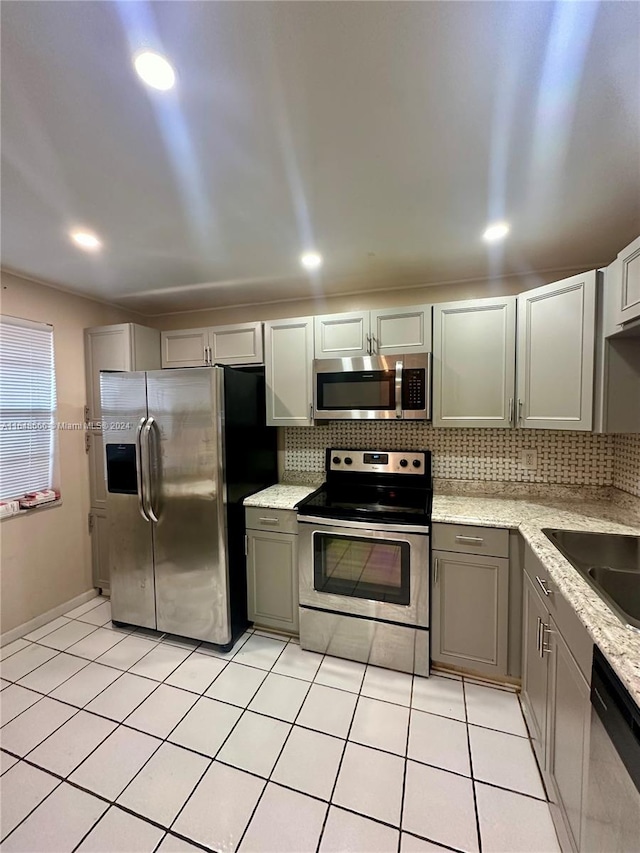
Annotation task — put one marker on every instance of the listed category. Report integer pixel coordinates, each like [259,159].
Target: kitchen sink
[610,563]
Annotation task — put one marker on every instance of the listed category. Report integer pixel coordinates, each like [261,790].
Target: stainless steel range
[364,559]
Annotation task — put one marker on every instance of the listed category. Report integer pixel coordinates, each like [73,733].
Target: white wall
[45,558]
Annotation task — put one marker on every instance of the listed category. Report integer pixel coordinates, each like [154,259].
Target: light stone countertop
[280,496]
[620,644]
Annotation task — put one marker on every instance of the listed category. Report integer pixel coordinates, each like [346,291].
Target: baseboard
[39,621]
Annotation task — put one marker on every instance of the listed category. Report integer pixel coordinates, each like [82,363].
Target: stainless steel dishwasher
[612,818]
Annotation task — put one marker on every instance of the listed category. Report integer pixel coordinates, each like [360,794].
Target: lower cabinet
[535,671]
[557,706]
[99,530]
[470,612]
[272,579]
[569,721]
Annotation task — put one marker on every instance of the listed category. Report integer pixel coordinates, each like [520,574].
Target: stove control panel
[375,461]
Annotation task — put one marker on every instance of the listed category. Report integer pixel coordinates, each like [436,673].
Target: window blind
[27,407]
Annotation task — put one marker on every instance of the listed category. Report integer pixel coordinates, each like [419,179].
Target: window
[27,407]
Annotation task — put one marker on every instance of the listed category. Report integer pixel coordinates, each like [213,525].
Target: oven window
[361,568]
[372,389]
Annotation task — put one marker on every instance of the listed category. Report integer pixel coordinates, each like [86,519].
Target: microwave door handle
[398,389]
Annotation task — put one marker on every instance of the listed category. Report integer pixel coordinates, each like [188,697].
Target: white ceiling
[385,135]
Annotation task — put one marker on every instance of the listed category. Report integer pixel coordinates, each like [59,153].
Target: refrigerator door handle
[148,490]
[139,478]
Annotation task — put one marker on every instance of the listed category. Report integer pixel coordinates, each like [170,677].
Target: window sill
[33,509]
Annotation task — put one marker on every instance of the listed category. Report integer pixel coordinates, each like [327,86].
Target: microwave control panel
[413,388]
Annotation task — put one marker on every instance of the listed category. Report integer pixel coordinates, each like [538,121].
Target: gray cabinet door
[535,669]
[629,287]
[272,579]
[99,548]
[105,348]
[240,343]
[401,330]
[342,335]
[556,342]
[474,358]
[470,606]
[97,474]
[569,718]
[289,371]
[185,348]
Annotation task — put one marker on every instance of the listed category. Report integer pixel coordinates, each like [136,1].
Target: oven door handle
[398,389]
[325,524]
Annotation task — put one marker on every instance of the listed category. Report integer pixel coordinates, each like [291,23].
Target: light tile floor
[114,740]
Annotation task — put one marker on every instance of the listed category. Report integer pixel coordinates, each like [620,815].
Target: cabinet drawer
[284,520]
[469,539]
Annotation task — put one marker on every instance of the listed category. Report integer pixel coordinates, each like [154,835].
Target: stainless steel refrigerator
[183,448]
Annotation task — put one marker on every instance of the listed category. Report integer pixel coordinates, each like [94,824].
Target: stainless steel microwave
[385,387]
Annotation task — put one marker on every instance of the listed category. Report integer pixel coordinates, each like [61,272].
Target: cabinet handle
[520,418]
[538,637]
[470,540]
[511,410]
[543,586]
[375,346]
[369,344]
[544,649]
[269,520]
[246,545]
[436,572]
[310,411]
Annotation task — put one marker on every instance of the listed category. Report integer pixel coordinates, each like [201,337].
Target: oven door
[379,571]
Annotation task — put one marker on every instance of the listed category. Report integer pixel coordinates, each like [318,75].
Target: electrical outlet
[529,459]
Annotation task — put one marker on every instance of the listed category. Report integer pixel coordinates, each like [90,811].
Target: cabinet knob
[336,460]
[403,463]
[348,460]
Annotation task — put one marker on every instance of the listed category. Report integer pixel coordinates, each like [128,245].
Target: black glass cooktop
[369,503]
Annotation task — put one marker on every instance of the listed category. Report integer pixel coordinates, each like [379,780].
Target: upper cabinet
[342,335]
[125,346]
[628,268]
[236,344]
[185,348]
[556,340]
[358,334]
[288,371]
[401,330]
[474,346]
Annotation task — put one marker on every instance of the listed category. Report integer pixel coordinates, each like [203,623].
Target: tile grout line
[340,763]
[473,781]
[406,762]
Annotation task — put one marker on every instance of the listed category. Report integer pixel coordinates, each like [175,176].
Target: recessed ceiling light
[496,232]
[154,70]
[86,240]
[311,260]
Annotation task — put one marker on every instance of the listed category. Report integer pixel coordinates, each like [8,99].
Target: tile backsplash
[626,463]
[576,458]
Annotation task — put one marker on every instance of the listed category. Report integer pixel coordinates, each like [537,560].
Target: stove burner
[378,486]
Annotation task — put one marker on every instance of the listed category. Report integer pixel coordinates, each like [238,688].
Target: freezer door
[185,441]
[124,412]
